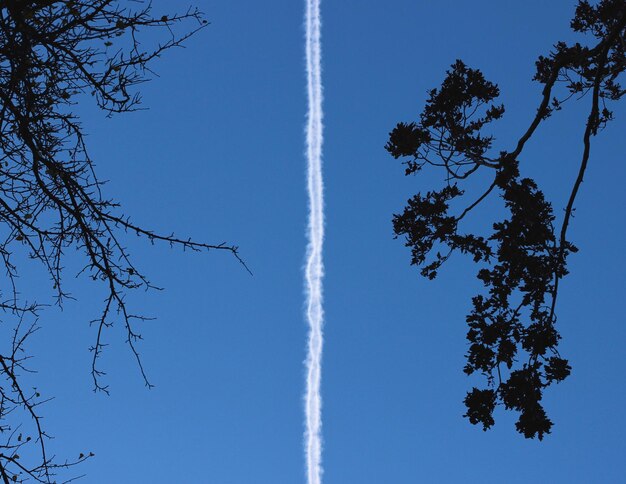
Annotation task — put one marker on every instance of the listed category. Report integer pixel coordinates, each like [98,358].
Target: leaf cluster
[512,334]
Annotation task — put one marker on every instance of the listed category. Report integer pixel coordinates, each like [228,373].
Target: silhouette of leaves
[512,335]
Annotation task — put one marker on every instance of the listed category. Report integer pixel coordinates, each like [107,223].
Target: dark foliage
[512,332]
[52,54]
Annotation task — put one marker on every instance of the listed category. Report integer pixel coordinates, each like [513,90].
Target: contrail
[314,266]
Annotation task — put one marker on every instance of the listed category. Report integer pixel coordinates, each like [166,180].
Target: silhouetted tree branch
[54,53]
[512,333]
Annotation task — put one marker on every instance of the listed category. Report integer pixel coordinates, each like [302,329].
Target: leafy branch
[512,333]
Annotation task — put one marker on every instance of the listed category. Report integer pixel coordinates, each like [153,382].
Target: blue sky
[219,156]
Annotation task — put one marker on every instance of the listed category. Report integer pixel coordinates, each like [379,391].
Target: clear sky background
[219,156]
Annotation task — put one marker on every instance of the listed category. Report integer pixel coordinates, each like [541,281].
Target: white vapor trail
[314,266]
